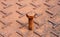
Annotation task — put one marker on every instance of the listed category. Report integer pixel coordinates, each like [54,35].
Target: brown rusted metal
[30,20]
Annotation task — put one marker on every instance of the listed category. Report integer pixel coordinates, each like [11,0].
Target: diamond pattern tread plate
[14,23]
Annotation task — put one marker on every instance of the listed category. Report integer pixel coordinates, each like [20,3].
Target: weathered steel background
[14,23]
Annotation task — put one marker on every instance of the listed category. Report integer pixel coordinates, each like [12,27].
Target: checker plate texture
[14,23]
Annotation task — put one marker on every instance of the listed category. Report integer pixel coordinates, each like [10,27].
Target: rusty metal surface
[14,23]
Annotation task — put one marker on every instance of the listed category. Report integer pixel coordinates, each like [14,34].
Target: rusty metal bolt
[30,20]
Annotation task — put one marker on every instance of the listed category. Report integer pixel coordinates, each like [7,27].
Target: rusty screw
[30,20]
